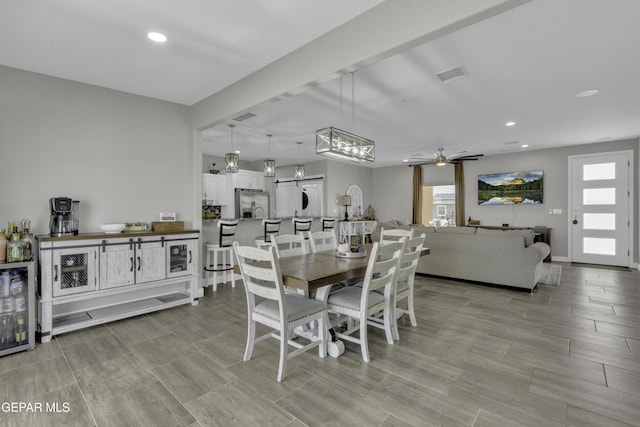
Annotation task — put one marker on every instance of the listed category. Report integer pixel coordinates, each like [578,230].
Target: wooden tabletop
[315,270]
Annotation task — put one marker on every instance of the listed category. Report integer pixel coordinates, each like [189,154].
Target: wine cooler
[17,307]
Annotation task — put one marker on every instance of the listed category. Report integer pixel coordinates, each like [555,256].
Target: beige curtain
[417,195]
[459,181]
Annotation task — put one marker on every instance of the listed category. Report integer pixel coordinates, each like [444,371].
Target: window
[438,205]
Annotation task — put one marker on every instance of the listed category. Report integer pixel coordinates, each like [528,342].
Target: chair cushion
[349,298]
[298,307]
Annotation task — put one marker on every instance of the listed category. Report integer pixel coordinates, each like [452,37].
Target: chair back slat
[227,232]
[327,223]
[394,234]
[382,270]
[301,224]
[271,228]
[288,245]
[410,257]
[260,271]
[323,241]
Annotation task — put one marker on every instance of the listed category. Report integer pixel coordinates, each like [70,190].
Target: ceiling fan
[440,159]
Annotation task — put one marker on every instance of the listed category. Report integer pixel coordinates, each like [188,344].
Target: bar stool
[271,228]
[220,255]
[327,223]
[302,226]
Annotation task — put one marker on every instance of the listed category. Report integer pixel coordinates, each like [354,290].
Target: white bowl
[112,228]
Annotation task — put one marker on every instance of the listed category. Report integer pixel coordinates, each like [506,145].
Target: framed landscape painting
[511,188]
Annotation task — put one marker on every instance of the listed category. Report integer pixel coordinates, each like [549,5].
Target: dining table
[317,271]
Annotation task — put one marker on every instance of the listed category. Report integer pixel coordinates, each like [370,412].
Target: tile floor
[480,356]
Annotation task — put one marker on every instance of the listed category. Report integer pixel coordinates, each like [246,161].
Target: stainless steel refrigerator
[252,204]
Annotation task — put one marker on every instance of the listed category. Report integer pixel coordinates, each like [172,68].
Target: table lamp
[346,202]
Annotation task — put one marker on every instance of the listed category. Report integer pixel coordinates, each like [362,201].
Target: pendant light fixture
[269,164]
[341,145]
[231,160]
[298,170]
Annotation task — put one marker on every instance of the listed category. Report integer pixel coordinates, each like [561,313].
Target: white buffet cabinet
[91,279]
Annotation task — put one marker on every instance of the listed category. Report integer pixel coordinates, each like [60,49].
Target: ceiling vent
[511,142]
[452,74]
[244,117]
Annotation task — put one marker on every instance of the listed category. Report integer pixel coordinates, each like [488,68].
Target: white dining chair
[271,227]
[394,234]
[276,309]
[405,282]
[323,241]
[360,303]
[289,244]
[219,260]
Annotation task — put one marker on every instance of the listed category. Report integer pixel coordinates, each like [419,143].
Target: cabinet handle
[131,259]
[55,269]
[190,257]
[139,263]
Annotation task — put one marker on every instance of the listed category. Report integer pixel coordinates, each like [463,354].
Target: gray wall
[393,190]
[125,157]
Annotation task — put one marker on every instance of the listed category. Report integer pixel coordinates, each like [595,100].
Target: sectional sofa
[501,257]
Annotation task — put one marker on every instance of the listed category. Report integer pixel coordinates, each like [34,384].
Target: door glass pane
[599,246]
[599,196]
[599,171]
[594,221]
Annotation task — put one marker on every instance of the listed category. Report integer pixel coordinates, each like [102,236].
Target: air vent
[511,142]
[452,74]
[244,117]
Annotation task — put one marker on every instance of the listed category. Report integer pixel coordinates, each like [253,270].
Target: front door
[600,222]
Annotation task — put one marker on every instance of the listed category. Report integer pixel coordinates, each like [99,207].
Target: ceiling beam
[393,26]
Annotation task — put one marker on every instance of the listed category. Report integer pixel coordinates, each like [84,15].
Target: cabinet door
[117,265]
[150,262]
[74,271]
[214,189]
[179,258]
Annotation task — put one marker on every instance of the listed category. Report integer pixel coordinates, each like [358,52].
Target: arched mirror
[357,206]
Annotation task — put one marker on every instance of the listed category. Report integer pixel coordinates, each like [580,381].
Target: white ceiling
[525,65]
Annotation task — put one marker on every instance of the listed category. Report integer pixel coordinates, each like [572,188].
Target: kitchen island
[94,278]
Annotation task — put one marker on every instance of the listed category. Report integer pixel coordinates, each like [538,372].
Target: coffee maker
[64,216]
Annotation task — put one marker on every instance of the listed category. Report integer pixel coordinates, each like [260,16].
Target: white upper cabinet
[252,180]
[214,189]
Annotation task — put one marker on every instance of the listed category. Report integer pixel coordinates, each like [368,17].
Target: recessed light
[524,146]
[510,124]
[586,93]
[157,37]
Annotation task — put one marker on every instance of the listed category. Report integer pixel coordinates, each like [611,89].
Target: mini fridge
[17,307]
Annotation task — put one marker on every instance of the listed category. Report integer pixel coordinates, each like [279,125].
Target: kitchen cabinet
[215,189]
[74,270]
[90,279]
[129,261]
[179,258]
[252,180]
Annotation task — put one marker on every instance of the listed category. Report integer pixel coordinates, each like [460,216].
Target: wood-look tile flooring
[481,356]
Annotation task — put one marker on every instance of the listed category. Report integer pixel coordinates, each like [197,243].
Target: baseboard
[560,258]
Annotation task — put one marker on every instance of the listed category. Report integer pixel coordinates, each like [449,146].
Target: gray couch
[502,257]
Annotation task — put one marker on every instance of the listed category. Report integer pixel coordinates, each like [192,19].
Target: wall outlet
[505,225]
